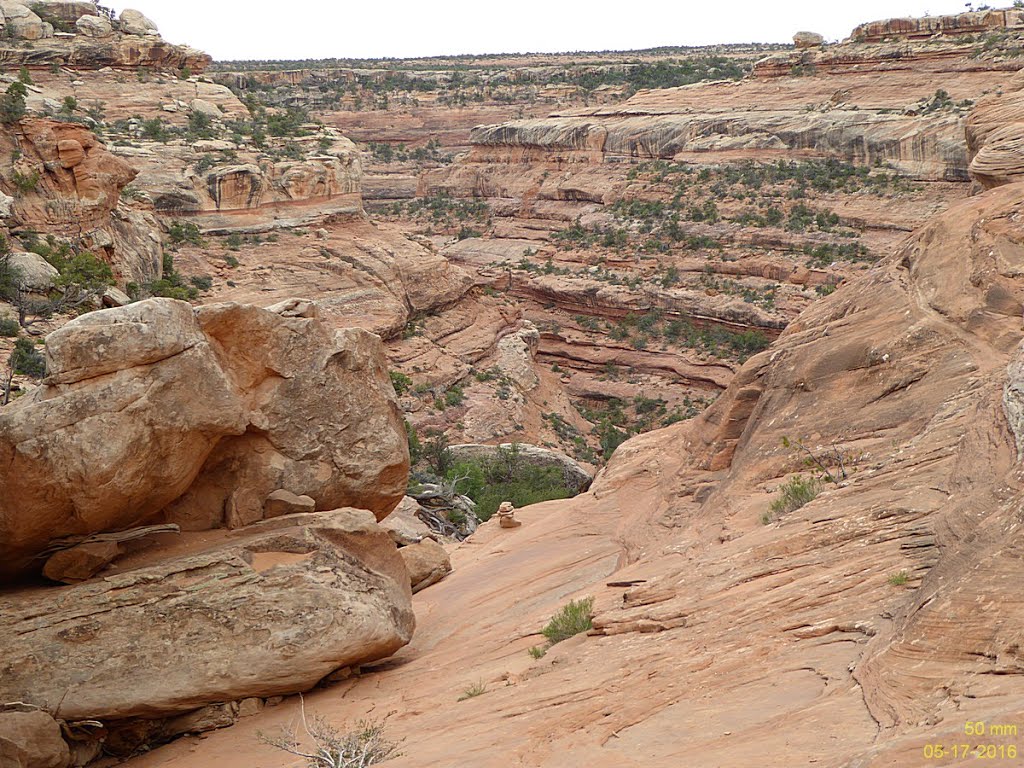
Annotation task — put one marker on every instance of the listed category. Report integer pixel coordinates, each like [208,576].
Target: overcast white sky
[305,29]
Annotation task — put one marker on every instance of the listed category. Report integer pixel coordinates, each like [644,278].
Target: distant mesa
[931,26]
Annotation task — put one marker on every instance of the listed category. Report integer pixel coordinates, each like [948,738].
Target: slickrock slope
[853,631]
[158,412]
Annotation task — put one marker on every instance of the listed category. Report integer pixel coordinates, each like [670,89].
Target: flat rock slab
[285,603]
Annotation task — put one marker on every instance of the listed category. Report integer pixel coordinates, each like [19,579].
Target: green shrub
[537,652]
[202,282]
[184,232]
[155,130]
[899,579]
[25,182]
[574,618]
[476,689]
[796,492]
[506,477]
[400,382]
[9,327]
[454,396]
[26,360]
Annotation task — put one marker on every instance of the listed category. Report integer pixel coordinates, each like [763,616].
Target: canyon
[686,282]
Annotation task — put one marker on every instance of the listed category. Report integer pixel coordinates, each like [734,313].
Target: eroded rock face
[270,612]
[995,135]
[76,194]
[32,740]
[930,26]
[140,400]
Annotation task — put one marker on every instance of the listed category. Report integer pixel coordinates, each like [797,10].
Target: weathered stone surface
[135,23]
[133,415]
[204,107]
[1013,400]
[34,272]
[427,561]
[94,26]
[72,166]
[71,566]
[995,135]
[67,10]
[282,502]
[929,26]
[808,40]
[404,526]
[272,611]
[325,421]
[31,740]
[23,22]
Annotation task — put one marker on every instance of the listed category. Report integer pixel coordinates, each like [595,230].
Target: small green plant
[400,382]
[25,182]
[899,579]
[574,618]
[26,360]
[184,232]
[476,689]
[9,327]
[796,492]
[537,652]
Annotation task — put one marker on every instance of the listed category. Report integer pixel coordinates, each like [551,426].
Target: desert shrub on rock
[574,618]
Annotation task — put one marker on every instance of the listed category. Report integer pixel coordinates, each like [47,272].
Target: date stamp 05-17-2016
[982,741]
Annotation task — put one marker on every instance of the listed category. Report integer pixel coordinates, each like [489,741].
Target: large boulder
[427,562]
[69,11]
[803,40]
[21,21]
[31,739]
[135,23]
[203,107]
[271,611]
[94,26]
[158,411]
[34,273]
